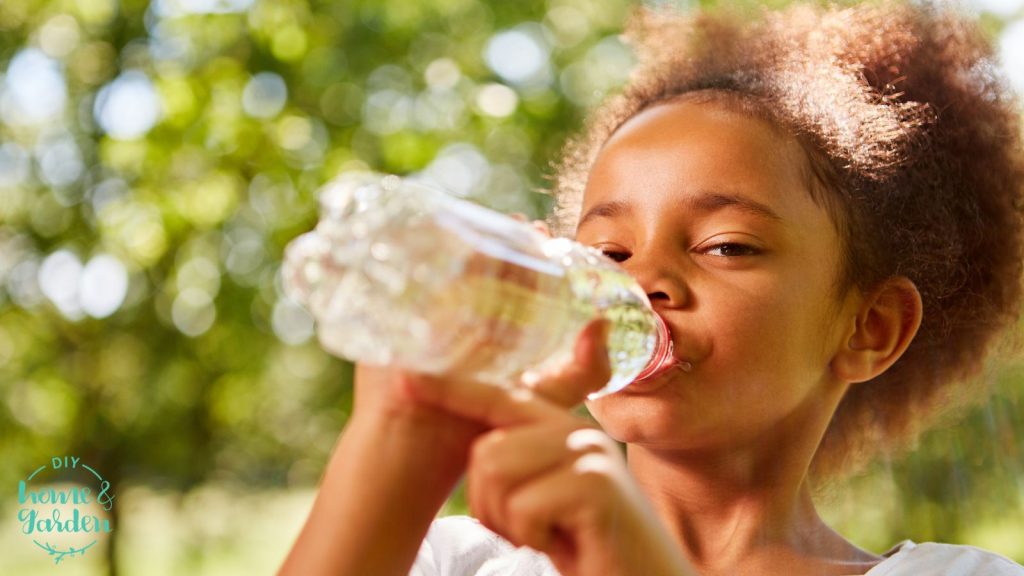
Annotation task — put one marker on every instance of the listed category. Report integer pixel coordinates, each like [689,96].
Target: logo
[64,517]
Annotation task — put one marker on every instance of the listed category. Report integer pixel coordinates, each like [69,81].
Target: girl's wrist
[385,482]
[420,432]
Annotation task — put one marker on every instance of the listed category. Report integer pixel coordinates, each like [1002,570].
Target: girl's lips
[663,349]
[665,360]
[659,377]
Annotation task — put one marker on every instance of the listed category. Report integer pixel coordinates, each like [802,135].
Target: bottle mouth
[663,348]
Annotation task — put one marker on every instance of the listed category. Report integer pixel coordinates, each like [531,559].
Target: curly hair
[914,139]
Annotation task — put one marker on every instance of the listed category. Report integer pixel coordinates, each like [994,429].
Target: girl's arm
[396,463]
[392,469]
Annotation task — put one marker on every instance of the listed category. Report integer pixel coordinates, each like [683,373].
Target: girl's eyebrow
[705,202]
[713,201]
[609,209]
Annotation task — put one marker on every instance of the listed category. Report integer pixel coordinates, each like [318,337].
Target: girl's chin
[629,421]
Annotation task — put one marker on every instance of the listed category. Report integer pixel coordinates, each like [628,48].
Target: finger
[582,496]
[542,227]
[503,459]
[538,225]
[588,371]
[492,405]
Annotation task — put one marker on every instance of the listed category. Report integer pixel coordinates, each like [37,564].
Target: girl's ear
[886,322]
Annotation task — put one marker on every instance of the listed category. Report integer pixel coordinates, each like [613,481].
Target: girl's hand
[382,399]
[544,478]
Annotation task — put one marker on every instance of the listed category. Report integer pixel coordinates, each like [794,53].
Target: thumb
[588,371]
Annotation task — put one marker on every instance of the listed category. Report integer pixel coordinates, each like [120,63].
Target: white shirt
[461,546]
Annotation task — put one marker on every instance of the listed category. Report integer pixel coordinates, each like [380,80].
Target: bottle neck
[663,349]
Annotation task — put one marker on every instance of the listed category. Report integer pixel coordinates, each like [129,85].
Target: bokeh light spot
[14,165]
[103,286]
[442,74]
[519,55]
[193,312]
[60,161]
[128,107]
[1011,53]
[137,227]
[291,322]
[387,111]
[23,284]
[59,36]
[34,91]
[201,273]
[96,12]
[245,255]
[569,24]
[1002,8]
[294,132]
[439,111]
[179,8]
[496,100]
[58,279]
[210,200]
[264,95]
[289,43]
[92,63]
[606,65]
[178,101]
[458,168]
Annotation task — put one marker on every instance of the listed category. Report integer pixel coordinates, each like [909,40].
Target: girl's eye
[614,254]
[731,249]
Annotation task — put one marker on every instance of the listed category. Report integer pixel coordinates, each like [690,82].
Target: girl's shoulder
[462,546]
[934,559]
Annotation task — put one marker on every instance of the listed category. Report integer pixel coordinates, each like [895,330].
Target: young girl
[823,205]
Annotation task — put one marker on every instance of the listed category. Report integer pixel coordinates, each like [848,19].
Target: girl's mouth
[665,359]
[659,376]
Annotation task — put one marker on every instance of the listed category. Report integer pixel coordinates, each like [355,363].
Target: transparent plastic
[397,272]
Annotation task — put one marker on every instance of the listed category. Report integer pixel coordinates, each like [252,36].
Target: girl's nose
[661,280]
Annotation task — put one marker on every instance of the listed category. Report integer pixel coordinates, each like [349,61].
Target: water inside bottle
[513,317]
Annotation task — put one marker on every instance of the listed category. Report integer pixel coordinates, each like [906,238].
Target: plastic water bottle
[398,272]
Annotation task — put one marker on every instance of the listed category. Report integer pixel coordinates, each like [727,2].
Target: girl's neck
[747,506]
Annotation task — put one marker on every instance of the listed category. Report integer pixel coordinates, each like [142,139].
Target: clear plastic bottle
[398,272]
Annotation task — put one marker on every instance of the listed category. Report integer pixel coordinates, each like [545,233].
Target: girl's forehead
[680,149]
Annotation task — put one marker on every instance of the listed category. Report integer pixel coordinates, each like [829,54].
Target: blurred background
[156,157]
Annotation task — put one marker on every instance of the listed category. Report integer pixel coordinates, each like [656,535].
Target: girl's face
[711,211]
